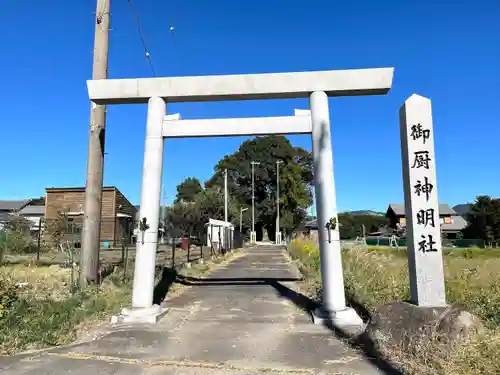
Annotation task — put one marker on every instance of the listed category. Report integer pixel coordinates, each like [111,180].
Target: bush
[15,241]
[8,296]
[2,245]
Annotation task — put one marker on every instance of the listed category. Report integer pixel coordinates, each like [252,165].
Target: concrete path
[242,319]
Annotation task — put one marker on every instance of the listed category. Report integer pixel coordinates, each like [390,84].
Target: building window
[73,227]
[402,220]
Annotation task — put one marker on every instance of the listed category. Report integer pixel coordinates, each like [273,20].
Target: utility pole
[253,237]
[225,195]
[226,229]
[278,231]
[95,163]
[241,217]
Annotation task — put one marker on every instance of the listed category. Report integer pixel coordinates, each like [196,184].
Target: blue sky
[450,53]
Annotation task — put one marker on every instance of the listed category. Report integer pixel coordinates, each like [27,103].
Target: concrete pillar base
[343,319]
[138,315]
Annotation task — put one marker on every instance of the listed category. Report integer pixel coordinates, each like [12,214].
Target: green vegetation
[15,238]
[351,226]
[295,181]
[484,220]
[188,189]
[38,310]
[377,276]
[195,205]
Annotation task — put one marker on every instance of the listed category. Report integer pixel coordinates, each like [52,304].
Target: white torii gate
[316,85]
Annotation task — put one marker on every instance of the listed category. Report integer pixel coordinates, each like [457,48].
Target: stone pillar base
[343,319]
[131,315]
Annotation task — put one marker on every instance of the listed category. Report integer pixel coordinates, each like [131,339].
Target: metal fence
[21,236]
[58,241]
[458,243]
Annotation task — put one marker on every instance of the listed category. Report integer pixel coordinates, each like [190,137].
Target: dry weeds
[376,276]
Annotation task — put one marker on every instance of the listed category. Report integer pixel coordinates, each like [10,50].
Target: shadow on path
[361,343]
[168,277]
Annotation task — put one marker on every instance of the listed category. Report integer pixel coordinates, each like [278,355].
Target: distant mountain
[462,209]
[365,212]
[357,212]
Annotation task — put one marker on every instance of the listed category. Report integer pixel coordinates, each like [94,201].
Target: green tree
[15,237]
[188,189]
[211,202]
[183,218]
[484,219]
[295,180]
[57,228]
[351,225]
[187,218]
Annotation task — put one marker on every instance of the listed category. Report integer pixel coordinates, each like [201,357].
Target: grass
[38,310]
[42,312]
[377,276]
[39,282]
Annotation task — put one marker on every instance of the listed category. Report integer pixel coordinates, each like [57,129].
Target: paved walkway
[239,320]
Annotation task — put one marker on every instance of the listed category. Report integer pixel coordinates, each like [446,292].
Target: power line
[142,36]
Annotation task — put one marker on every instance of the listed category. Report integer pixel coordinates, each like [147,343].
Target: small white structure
[316,86]
[220,234]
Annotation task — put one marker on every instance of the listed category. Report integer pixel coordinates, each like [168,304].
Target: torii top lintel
[242,86]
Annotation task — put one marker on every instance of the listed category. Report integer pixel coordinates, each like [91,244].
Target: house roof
[32,210]
[13,205]
[399,209]
[5,217]
[458,223]
[313,224]
[76,189]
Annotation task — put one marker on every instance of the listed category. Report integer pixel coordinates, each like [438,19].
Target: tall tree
[484,219]
[183,218]
[212,205]
[187,218]
[295,179]
[188,189]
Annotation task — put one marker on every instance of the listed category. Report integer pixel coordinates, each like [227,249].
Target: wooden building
[450,222]
[117,216]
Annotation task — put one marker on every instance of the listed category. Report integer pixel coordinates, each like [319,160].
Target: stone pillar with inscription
[425,259]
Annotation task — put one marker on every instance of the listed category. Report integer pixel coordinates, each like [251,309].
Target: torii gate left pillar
[315,85]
